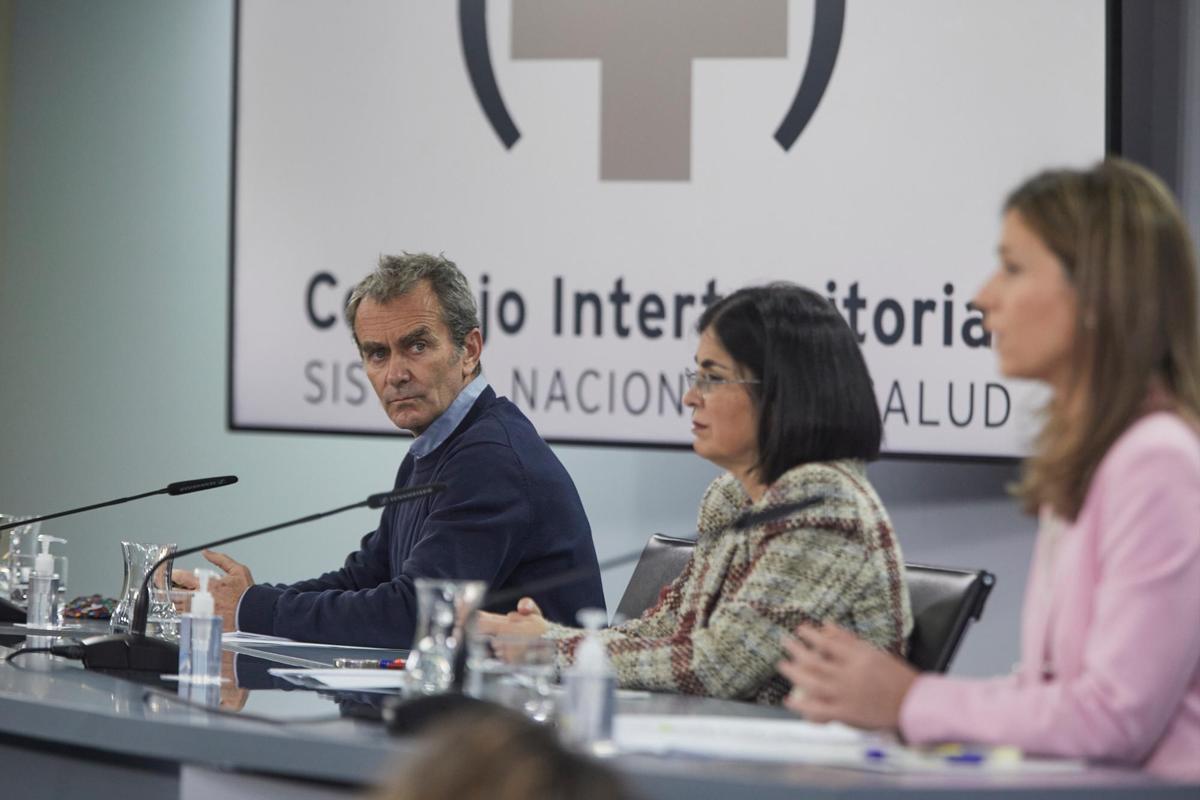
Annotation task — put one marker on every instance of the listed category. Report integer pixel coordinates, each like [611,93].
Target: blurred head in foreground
[498,755]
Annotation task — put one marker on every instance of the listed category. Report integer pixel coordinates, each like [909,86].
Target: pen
[965,758]
[369,663]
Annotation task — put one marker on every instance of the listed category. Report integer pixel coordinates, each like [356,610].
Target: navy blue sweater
[510,515]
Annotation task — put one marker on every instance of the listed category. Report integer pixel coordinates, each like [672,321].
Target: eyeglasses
[706,384]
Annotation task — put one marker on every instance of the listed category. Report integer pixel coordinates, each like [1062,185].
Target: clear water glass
[162,619]
[515,671]
[442,607]
[15,543]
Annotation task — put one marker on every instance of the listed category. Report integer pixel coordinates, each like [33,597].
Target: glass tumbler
[514,670]
[15,544]
[442,607]
[162,619]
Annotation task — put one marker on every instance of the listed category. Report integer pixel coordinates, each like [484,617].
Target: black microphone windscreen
[400,495]
[772,513]
[200,484]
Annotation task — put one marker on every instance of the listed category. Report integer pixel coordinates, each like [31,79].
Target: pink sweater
[1110,666]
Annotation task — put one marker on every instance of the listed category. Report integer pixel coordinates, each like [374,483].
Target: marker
[369,663]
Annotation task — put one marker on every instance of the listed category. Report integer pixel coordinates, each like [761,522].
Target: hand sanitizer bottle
[43,587]
[200,645]
[591,686]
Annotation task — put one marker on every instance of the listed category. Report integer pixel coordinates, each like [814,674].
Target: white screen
[647,154]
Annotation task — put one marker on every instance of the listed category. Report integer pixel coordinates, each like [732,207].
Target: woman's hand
[526,621]
[511,633]
[526,607]
[837,676]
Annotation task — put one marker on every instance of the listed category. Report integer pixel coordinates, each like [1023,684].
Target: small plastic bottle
[43,587]
[591,687]
[200,644]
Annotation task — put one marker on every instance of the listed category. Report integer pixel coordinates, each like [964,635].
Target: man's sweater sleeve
[364,568]
[474,530]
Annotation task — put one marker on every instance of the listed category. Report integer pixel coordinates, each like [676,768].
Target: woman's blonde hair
[1125,247]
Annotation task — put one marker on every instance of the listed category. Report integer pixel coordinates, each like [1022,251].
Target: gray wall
[113,338]
[1189,119]
[5,38]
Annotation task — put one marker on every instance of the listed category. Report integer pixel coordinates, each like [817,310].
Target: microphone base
[10,612]
[405,716]
[130,652]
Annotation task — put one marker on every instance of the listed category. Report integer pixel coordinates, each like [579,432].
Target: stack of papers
[791,740]
[795,741]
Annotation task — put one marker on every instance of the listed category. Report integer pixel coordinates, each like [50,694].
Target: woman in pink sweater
[1096,296]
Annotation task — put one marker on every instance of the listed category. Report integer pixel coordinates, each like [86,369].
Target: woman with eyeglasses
[1095,295]
[793,532]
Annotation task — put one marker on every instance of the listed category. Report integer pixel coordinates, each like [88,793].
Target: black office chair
[944,601]
[661,562]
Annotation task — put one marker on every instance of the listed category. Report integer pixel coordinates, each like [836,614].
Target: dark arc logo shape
[828,24]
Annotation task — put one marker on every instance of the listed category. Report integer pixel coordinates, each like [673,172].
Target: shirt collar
[444,425]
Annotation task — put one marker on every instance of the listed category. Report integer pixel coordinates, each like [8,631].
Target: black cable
[25,650]
[72,651]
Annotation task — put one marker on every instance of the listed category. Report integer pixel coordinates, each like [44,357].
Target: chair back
[662,560]
[944,601]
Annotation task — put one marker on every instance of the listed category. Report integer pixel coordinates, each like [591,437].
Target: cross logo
[646,49]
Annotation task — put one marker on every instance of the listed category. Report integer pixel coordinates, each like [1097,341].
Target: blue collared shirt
[444,425]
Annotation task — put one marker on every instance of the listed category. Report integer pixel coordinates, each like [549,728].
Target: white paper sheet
[799,742]
[351,680]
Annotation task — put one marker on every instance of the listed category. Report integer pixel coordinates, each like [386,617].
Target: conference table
[67,732]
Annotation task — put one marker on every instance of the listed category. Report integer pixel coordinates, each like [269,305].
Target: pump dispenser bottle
[200,644]
[43,587]
[591,685]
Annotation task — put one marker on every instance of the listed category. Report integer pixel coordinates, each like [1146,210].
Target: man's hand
[837,676]
[233,697]
[226,591]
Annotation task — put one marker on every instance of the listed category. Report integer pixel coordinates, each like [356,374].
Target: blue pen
[966,758]
[875,754]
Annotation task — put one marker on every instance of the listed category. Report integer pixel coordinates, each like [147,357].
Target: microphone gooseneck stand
[406,715]
[137,652]
[10,612]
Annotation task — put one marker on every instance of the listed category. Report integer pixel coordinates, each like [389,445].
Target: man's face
[410,358]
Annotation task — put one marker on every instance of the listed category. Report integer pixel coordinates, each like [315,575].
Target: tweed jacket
[716,629]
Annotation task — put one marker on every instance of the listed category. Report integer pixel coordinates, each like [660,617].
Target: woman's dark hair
[815,401]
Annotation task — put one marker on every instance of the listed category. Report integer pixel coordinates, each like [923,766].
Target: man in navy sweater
[510,514]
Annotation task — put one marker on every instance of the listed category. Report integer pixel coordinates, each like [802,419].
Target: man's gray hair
[398,275]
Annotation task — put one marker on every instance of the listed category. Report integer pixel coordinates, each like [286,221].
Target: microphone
[199,485]
[10,612]
[406,715]
[751,519]
[555,581]
[135,651]
[743,522]
[179,487]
